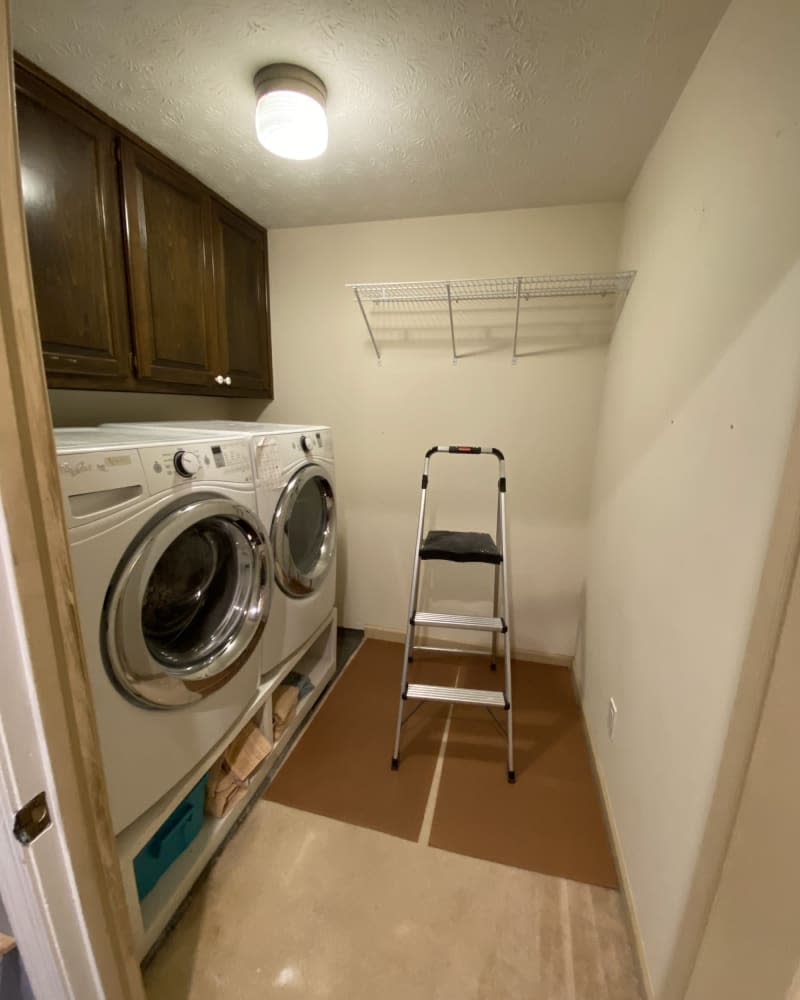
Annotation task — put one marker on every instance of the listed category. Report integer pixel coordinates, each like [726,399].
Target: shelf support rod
[452,328]
[516,324]
[366,320]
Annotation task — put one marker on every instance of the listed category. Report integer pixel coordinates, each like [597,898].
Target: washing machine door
[304,532]
[188,602]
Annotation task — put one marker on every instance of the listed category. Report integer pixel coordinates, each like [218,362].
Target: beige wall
[702,388]
[542,413]
[75,408]
[752,944]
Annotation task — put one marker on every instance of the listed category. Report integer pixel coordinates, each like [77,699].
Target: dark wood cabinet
[168,239]
[70,194]
[240,275]
[144,279]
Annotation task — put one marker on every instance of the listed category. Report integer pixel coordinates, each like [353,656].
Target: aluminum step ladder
[462,547]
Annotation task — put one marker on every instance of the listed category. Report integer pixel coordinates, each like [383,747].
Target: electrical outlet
[612,717]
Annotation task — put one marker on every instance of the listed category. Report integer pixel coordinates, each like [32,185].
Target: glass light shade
[291,124]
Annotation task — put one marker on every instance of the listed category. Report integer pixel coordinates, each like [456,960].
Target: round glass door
[188,603]
[304,532]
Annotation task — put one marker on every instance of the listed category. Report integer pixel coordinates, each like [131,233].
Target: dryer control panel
[220,461]
[314,443]
[276,454]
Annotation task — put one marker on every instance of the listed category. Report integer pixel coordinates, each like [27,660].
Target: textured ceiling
[434,107]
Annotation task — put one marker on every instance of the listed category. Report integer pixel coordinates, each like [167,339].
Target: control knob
[305,443]
[187,464]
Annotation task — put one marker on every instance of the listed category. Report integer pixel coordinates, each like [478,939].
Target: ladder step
[460,621]
[457,696]
[460,546]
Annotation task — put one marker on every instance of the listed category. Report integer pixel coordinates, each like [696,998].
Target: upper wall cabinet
[240,271]
[168,235]
[144,278]
[69,182]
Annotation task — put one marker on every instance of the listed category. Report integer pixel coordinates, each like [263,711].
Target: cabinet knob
[227,380]
[219,379]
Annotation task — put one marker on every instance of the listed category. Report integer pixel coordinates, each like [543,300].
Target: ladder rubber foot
[493,666]
[512,777]
[395,763]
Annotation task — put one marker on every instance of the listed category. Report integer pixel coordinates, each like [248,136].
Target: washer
[174,579]
[295,483]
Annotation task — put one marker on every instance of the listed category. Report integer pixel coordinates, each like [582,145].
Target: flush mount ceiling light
[290,111]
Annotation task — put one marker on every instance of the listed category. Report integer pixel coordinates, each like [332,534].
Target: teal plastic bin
[170,840]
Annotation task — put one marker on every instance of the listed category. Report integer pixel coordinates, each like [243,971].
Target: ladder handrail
[465,449]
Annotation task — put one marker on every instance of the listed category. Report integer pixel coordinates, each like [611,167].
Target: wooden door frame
[56,668]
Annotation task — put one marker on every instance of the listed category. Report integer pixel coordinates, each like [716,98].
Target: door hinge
[32,819]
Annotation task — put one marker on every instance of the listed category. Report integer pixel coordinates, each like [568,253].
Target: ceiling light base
[287,76]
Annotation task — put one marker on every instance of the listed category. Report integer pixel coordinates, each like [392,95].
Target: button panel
[213,462]
[317,444]
[278,454]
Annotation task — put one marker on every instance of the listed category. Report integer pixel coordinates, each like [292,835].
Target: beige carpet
[304,906]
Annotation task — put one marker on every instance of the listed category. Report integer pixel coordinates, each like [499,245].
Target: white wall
[542,413]
[78,408]
[702,389]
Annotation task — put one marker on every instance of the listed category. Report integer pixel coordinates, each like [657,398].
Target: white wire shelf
[452,292]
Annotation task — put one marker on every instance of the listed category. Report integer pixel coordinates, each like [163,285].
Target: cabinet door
[168,236]
[240,272]
[71,198]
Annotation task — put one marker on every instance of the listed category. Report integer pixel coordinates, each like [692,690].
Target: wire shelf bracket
[366,320]
[515,289]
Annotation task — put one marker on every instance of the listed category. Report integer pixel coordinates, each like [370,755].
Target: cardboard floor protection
[340,766]
[552,819]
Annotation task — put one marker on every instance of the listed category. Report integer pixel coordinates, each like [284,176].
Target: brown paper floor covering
[340,766]
[550,821]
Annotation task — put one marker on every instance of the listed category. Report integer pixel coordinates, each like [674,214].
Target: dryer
[174,579]
[294,472]
[296,481]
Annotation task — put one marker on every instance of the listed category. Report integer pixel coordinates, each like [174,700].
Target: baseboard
[528,655]
[622,872]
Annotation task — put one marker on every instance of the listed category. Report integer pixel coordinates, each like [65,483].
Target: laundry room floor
[305,906]
[346,897]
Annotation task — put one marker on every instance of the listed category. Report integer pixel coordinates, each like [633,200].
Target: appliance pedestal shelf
[150,916]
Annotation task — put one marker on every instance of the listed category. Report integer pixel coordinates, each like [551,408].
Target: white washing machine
[295,484]
[174,579]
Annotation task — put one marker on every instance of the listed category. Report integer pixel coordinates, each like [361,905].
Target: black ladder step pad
[460,546]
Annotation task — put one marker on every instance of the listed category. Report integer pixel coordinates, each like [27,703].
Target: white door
[37,883]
